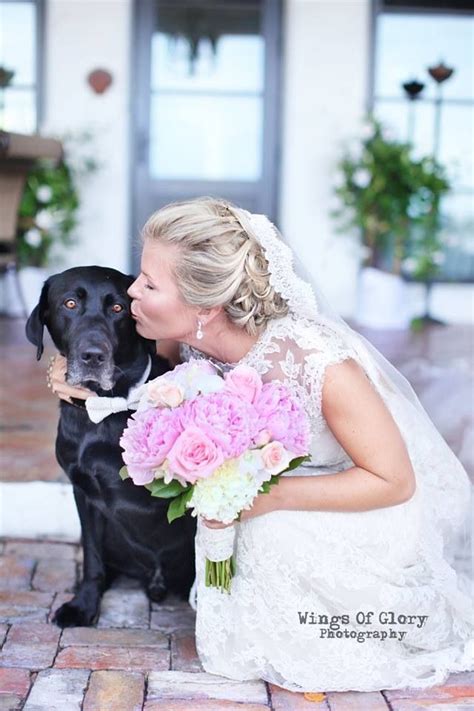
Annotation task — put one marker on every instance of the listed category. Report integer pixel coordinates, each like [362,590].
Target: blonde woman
[341,579]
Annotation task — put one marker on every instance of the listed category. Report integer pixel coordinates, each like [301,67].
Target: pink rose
[275,457]
[244,382]
[194,456]
[263,438]
[163,393]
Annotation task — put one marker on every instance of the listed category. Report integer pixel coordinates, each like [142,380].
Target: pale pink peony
[244,382]
[146,441]
[194,456]
[163,393]
[228,421]
[196,366]
[263,438]
[284,417]
[275,457]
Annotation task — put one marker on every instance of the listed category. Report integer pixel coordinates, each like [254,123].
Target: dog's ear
[36,322]
[130,279]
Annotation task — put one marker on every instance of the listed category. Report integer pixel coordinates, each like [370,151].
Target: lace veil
[442,483]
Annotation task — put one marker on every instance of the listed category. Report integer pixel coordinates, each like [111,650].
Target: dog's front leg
[83,608]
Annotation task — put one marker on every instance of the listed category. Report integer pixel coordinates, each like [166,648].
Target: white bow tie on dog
[98,408]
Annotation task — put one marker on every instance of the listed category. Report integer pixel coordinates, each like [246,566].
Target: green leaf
[123,473]
[177,507]
[296,462]
[266,486]
[166,491]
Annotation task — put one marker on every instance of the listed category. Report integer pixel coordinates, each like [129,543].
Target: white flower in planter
[33,237]
[414,209]
[362,177]
[439,258]
[409,265]
[44,193]
[45,220]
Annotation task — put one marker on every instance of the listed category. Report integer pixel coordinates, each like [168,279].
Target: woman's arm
[361,422]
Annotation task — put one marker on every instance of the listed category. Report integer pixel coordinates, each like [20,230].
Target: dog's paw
[73,615]
[157,589]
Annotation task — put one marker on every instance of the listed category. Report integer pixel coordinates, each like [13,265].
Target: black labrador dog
[124,530]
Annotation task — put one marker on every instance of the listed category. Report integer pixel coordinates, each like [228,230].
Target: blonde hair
[219,260]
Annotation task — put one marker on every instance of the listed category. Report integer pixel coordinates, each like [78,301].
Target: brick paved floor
[140,656]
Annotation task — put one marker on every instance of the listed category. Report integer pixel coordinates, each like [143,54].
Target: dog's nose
[93,356]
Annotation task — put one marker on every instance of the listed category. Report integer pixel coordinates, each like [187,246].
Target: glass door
[206,103]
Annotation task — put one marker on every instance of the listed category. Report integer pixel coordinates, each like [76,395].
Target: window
[19,51]
[410,37]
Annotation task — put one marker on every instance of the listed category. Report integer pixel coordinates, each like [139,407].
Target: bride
[341,577]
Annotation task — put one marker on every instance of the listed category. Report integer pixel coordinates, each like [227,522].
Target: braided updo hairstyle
[219,260]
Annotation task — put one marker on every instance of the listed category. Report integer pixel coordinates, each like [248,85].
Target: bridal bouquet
[212,443]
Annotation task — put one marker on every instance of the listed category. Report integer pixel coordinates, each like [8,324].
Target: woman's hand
[56,379]
[262,504]
[212,523]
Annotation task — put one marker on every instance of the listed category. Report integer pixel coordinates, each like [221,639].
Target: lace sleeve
[297,354]
[332,350]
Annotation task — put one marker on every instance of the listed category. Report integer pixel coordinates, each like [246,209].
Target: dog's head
[87,313]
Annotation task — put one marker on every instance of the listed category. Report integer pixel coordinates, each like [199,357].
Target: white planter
[31,282]
[382,300]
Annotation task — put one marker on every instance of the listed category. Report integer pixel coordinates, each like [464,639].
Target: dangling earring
[199,333]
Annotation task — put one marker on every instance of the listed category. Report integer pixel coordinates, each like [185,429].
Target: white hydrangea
[230,489]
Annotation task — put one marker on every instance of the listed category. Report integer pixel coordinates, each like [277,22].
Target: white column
[80,36]
[324,97]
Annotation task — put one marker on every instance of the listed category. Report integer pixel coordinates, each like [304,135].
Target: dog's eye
[70,304]
[117,308]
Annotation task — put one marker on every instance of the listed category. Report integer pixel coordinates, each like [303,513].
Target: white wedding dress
[389,560]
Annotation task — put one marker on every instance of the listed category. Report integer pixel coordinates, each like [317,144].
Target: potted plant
[393,200]
[47,214]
